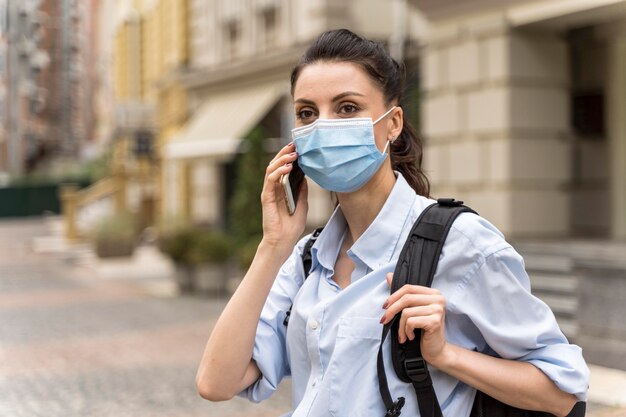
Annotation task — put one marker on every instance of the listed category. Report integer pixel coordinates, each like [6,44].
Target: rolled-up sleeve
[517,325]
[270,348]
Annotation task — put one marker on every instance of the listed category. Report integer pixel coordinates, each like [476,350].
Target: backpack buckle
[396,408]
[416,369]
[449,202]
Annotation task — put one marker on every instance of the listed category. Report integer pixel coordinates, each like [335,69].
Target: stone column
[206,195]
[496,122]
[616,95]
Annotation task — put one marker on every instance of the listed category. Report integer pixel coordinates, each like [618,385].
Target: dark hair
[343,45]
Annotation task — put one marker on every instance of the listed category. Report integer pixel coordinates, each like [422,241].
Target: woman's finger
[278,162]
[426,323]
[271,187]
[409,289]
[410,300]
[405,331]
[431,319]
[274,177]
[290,147]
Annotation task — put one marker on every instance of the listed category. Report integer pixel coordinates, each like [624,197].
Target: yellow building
[151,47]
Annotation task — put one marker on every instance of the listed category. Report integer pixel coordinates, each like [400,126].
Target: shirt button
[314,325]
[314,382]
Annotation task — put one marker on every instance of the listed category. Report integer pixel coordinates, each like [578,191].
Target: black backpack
[417,265]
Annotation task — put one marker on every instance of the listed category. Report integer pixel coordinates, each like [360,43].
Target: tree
[245,207]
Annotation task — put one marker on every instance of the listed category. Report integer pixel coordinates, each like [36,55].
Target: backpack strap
[417,265]
[307,259]
[307,262]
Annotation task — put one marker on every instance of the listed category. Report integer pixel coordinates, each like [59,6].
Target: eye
[305,114]
[348,108]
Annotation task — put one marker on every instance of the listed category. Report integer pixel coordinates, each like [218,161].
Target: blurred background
[134,135]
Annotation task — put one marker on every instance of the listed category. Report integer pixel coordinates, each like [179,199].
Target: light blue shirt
[330,346]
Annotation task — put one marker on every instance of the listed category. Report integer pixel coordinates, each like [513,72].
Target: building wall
[151,50]
[104,90]
[230,30]
[127,60]
[240,43]
[590,162]
[499,86]
[4,146]
[496,119]
[49,63]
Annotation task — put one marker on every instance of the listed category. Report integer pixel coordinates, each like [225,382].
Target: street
[74,344]
[77,343]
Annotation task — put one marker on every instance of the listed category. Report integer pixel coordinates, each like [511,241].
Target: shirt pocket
[353,384]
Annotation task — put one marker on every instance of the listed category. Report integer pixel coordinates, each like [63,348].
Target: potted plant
[115,236]
[176,243]
[209,256]
[201,257]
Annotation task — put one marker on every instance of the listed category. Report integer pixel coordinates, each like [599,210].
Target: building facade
[4,85]
[523,112]
[150,47]
[241,55]
[48,76]
[25,60]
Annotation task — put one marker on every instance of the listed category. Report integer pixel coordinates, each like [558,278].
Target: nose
[326,113]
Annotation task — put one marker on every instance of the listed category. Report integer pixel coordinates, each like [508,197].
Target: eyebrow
[336,98]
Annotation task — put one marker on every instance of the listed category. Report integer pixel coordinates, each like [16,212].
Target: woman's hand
[422,308]
[279,228]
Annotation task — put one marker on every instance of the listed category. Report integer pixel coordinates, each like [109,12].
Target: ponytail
[406,157]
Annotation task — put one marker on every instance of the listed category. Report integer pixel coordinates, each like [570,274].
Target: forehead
[322,81]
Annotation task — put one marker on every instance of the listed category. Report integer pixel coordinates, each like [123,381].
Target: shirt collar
[375,247]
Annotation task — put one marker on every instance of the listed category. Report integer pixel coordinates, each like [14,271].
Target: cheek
[380,135]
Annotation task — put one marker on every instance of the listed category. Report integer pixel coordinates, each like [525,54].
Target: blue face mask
[339,154]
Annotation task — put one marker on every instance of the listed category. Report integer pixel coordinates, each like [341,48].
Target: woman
[482,329]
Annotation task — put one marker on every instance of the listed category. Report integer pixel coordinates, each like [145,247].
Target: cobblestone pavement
[73,344]
[76,345]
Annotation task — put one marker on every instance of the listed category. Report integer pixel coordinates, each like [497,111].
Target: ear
[396,122]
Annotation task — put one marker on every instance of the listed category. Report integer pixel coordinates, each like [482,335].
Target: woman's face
[331,90]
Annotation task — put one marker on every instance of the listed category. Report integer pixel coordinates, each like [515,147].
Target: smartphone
[291,183]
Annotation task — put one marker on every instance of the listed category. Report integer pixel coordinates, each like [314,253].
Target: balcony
[133,116]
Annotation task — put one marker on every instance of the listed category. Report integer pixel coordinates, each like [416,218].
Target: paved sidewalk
[84,337]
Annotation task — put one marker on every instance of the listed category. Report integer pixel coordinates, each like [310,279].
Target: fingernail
[386,304]
[382,319]
[292,153]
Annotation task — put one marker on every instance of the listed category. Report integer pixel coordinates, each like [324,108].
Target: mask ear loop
[384,115]
[381,118]
[388,143]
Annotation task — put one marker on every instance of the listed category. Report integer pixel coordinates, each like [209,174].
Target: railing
[74,200]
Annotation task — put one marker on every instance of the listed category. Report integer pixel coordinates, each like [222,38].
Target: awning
[562,14]
[217,127]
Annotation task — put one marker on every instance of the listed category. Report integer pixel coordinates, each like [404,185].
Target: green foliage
[209,247]
[97,168]
[245,206]
[247,251]
[412,102]
[176,243]
[117,227]
[85,172]
[193,246]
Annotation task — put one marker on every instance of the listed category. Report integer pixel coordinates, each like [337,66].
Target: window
[233,39]
[269,27]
